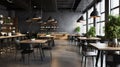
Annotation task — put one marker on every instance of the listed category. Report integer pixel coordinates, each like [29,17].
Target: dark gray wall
[24,26]
[66,20]
[3,11]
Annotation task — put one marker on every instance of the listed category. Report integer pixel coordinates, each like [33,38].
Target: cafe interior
[59,33]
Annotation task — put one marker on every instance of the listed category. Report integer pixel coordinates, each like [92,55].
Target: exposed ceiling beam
[22,4]
[49,5]
[76,3]
[91,5]
[83,5]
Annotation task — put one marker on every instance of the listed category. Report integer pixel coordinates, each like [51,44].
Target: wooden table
[72,36]
[82,40]
[102,47]
[34,41]
[37,41]
[90,38]
[51,38]
[13,36]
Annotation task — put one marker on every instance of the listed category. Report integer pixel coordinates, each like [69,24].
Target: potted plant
[91,32]
[112,29]
[77,29]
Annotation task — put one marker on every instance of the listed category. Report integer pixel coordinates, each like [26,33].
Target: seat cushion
[89,54]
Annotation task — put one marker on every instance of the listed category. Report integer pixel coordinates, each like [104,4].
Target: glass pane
[114,3]
[115,11]
[102,28]
[102,7]
[102,18]
[89,12]
[82,28]
[84,15]
[98,19]
[90,25]
[98,29]
[98,7]
[90,20]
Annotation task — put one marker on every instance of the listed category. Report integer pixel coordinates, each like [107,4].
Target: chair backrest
[50,43]
[86,46]
[25,46]
[17,44]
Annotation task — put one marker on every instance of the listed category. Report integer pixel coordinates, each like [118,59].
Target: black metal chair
[17,47]
[48,47]
[26,50]
[88,51]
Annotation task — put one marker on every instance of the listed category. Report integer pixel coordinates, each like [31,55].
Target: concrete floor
[64,54]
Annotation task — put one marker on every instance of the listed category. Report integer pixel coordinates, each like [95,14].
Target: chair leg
[93,61]
[82,61]
[41,54]
[23,57]
[85,62]
[51,55]
[15,55]
[34,55]
[28,58]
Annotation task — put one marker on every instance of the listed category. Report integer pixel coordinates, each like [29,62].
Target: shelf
[9,27]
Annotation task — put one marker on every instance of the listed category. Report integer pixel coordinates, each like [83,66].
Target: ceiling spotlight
[35,6]
[10,1]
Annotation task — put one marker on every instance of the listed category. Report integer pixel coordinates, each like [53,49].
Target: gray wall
[3,11]
[66,20]
[24,26]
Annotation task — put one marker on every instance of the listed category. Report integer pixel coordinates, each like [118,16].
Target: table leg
[101,58]
[40,49]
[98,54]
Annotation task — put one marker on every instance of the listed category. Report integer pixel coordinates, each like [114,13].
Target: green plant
[91,32]
[112,28]
[8,20]
[77,29]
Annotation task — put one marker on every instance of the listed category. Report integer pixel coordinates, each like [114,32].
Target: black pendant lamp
[94,13]
[80,19]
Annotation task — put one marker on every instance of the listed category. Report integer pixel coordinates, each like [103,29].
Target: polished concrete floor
[64,54]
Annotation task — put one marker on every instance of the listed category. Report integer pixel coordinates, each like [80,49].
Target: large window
[90,20]
[100,21]
[102,6]
[114,7]
[114,3]
[83,25]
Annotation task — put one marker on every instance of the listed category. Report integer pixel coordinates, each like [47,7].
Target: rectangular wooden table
[90,38]
[103,47]
[85,40]
[50,38]
[13,36]
[36,41]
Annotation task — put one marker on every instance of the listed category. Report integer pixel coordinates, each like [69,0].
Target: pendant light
[33,18]
[94,13]
[80,19]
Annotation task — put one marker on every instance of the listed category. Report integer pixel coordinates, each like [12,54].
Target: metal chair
[26,50]
[88,51]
